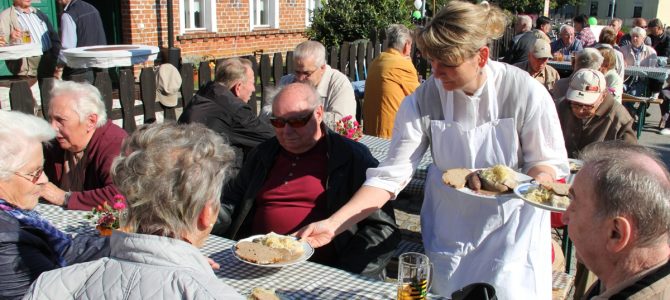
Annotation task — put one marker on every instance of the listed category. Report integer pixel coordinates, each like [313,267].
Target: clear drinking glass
[414,276]
[26,37]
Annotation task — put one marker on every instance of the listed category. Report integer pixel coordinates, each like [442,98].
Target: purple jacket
[104,146]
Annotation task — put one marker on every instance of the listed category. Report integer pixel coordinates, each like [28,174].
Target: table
[20,51]
[302,281]
[658,73]
[20,94]
[379,149]
[109,56]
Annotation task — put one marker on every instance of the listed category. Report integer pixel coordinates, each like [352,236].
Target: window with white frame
[310,7]
[263,14]
[197,15]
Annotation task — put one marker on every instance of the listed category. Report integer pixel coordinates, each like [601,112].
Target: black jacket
[218,109]
[661,44]
[365,248]
[25,254]
[519,50]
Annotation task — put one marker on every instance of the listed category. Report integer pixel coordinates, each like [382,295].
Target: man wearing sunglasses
[589,113]
[222,106]
[304,174]
[333,87]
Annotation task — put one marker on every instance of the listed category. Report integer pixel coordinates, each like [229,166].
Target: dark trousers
[85,73]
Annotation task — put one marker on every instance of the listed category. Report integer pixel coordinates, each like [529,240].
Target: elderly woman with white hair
[29,244]
[79,160]
[637,53]
[172,177]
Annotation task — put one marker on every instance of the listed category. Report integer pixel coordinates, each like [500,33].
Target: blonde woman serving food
[473,113]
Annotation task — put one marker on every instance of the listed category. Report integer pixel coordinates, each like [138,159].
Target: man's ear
[620,233]
[407,48]
[235,89]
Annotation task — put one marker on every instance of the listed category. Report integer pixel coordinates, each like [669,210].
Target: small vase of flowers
[350,128]
[106,217]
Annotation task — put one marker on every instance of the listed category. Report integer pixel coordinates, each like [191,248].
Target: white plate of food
[272,250]
[544,196]
[575,165]
[459,181]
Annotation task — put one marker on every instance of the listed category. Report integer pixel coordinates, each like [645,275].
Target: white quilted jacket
[140,266]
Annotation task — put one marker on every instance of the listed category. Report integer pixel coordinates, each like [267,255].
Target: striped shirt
[39,32]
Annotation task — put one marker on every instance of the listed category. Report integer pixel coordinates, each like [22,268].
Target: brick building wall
[145,22]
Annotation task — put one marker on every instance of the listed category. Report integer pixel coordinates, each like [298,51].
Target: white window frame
[273,15]
[209,14]
[310,7]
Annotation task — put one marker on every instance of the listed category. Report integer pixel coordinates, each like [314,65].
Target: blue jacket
[25,254]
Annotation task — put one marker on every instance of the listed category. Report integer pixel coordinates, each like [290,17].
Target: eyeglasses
[33,176]
[305,73]
[579,106]
[293,122]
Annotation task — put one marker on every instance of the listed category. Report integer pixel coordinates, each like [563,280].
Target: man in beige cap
[537,65]
[589,113]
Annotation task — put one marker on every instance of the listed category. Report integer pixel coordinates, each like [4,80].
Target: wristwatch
[66,198]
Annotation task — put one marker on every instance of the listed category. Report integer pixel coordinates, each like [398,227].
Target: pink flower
[119,205]
[347,118]
[119,197]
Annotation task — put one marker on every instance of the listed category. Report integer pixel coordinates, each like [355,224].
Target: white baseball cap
[586,86]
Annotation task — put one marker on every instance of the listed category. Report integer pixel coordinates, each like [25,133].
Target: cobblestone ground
[407,209]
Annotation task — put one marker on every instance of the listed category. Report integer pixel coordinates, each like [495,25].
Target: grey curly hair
[168,173]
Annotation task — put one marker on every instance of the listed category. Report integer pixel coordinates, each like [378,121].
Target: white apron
[471,239]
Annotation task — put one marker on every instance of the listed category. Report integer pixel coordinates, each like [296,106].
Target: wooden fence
[351,59]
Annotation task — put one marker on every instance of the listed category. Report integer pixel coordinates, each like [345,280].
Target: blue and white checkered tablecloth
[660,74]
[379,148]
[302,281]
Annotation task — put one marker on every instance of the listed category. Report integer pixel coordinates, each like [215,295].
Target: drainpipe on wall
[174,54]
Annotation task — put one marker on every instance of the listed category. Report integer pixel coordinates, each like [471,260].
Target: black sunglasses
[293,122]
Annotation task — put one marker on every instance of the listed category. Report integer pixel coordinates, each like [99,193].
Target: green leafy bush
[349,20]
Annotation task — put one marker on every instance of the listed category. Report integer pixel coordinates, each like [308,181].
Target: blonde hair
[459,30]
[609,58]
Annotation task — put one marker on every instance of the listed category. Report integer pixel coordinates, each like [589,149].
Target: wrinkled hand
[53,194]
[318,234]
[213,264]
[15,35]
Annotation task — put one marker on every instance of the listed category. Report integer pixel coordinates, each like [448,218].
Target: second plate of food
[541,197]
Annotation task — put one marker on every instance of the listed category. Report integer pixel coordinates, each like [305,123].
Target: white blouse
[531,106]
